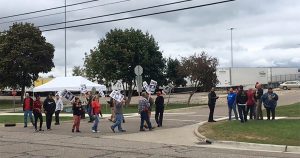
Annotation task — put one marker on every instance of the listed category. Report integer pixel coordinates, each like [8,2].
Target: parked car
[290,84]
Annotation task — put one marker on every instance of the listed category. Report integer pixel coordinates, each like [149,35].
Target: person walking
[241,100]
[143,107]
[151,102]
[119,116]
[111,103]
[58,109]
[258,95]
[159,109]
[49,108]
[250,104]
[96,110]
[270,102]
[27,109]
[77,110]
[212,98]
[89,99]
[231,102]
[37,113]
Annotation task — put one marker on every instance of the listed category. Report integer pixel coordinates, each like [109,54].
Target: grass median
[280,132]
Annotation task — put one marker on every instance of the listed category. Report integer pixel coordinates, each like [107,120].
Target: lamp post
[65,38]
[231,55]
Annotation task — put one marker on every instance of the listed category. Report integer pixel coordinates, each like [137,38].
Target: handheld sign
[68,95]
[101,93]
[83,88]
[152,86]
[116,95]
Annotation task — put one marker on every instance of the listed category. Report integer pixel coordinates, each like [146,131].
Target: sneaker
[145,126]
[123,130]
[94,131]
[90,121]
[78,131]
[57,124]
[36,130]
[112,129]
[25,126]
[72,130]
[123,120]
[142,130]
[49,129]
[41,129]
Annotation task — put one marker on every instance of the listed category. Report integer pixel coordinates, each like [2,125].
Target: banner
[117,95]
[68,95]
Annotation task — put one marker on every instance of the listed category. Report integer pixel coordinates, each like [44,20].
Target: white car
[290,85]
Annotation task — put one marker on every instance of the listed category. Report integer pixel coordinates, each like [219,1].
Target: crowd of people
[246,103]
[54,106]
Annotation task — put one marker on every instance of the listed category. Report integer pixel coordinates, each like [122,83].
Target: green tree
[172,73]
[24,54]
[201,70]
[117,54]
[78,71]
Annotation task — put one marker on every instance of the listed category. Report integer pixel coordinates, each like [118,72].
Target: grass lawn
[292,110]
[281,132]
[20,119]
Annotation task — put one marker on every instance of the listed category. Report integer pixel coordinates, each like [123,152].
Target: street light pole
[231,46]
[65,38]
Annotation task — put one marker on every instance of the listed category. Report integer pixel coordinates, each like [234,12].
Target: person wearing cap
[27,109]
[212,99]
[270,102]
[58,109]
[159,109]
[37,112]
[143,107]
[241,100]
[49,108]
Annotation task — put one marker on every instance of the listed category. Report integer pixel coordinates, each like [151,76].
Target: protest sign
[68,95]
[152,86]
[116,95]
[83,88]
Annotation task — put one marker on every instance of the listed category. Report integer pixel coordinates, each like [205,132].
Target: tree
[24,54]
[116,55]
[201,70]
[78,71]
[172,73]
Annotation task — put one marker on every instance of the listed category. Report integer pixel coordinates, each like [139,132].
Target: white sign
[138,70]
[116,95]
[152,86]
[83,88]
[101,93]
[68,95]
[146,86]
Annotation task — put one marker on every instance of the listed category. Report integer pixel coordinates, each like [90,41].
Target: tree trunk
[190,97]
[22,93]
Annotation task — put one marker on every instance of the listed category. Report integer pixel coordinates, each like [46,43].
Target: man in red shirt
[27,108]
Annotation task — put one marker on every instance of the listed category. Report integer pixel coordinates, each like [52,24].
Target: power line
[43,10]
[139,16]
[128,11]
[35,17]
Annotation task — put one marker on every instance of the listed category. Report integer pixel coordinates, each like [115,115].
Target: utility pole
[65,38]
[231,56]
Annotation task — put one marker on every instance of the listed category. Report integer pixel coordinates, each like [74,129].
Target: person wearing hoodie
[270,102]
[49,108]
[27,108]
[58,109]
[37,112]
[251,104]
[241,100]
[231,102]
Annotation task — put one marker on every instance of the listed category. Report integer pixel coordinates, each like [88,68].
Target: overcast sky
[267,31]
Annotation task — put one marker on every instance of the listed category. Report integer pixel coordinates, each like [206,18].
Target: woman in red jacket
[251,104]
[37,112]
[96,110]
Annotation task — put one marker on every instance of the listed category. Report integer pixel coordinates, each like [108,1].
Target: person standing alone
[49,107]
[212,99]
[159,109]
[58,109]
[27,108]
[241,100]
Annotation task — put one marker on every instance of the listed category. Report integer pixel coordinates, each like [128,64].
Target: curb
[243,145]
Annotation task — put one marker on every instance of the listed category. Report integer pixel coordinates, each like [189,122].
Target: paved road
[175,139]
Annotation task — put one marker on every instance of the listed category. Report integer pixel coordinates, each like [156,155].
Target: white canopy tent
[69,83]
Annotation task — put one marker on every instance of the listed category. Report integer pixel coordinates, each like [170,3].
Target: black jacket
[159,102]
[49,105]
[76,110]
[241,97]
[259,93]
[212,98]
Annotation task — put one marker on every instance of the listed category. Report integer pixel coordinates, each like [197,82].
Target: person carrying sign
[118,110]
[89,99]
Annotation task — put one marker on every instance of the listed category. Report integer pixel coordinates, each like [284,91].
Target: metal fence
[284,78]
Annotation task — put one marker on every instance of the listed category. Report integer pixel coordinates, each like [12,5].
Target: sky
[266,31]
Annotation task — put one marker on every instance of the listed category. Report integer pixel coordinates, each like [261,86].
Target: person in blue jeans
[118,110]
[143,107]
[231,102]
[27,109]
[270,102]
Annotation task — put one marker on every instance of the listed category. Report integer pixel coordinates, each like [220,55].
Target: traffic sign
[138,70]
